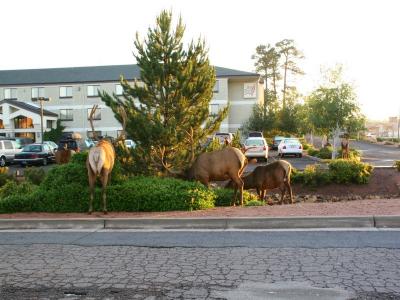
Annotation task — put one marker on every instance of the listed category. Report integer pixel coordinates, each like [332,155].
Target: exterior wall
[230,91]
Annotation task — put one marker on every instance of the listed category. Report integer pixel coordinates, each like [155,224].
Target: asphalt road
[377,155]
[200,265]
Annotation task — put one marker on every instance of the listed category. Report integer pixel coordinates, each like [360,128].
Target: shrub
[4,178]
[13,188]
[34,175]
[136,194]
[307,146]
[312,151]
[255,203]
[313,175]
[397,165]
[353,154]
[349,171]
[224,197]
[325,153]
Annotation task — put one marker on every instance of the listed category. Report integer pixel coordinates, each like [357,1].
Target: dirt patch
[384,182]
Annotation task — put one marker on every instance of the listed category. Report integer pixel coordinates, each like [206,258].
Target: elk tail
[96,160]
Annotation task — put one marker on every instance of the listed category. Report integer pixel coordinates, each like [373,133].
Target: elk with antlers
[100,162]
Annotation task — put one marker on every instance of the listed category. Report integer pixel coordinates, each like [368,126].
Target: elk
[268,177]
[345,147]
[224,164]
[100,162]
[63,156]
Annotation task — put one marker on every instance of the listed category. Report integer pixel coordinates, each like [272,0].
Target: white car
[256,147]
[130,144]
[290,146]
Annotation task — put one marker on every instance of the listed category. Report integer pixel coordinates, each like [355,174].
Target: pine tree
[168,108]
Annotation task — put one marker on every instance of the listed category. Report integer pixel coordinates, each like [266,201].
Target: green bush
[380,139]
[13,188]
[349,171]
[34,175]
[255,203]
[325,153]
[4,178]
[307,146]
[397,165]
[224,197]
[313,175]
[136,194]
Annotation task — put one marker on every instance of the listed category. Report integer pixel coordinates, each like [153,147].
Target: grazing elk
[100,162]
[224,164]
[217,165]
[268,177]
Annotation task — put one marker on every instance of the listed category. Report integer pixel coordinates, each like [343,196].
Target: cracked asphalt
[56,271]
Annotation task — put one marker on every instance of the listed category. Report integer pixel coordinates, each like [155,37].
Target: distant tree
[168,110]
[334,105]
[290,54]
[55,134]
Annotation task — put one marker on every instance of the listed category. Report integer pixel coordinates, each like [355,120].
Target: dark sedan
[35,154]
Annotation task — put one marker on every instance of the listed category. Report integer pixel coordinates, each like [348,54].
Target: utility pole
[41,99]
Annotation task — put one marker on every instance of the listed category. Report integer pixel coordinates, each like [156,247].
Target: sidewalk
[361,213]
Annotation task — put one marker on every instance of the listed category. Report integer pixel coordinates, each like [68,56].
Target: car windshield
[32,148]
[291,141]
[255,142]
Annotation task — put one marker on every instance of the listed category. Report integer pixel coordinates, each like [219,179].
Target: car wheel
[300,155]
[266,160]
[282,155]
[44,162]
[2,161]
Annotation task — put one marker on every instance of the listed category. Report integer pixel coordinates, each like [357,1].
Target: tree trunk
[284,84]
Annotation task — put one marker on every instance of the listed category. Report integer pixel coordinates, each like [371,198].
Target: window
[66,115]
[213,109]
[65,91]
[8,145]
[10,93]
[37,92]
[49,124]
[118,89]
[216,86]
[93,90]
[97,114]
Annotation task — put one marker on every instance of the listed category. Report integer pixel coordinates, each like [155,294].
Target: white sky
[362,35]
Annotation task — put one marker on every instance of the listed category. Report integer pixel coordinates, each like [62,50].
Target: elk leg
[239,185]
[282,195]
[260,194]
[92,182]
[263,193]
[287,184]
[104,180]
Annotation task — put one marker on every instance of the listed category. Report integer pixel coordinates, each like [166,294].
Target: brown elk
[100,162]
[224,164]
[268,177]
[63,156]
[345,147]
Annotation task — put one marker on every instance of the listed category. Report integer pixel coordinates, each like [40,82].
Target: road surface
[200,265]
[377,155]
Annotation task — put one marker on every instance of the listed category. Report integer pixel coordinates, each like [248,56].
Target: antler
[190,140]
[92,112]
[159,152]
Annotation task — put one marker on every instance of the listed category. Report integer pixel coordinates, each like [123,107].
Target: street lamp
[41,99]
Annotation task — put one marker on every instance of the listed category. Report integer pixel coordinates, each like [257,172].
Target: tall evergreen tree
[168,108]
[290,54]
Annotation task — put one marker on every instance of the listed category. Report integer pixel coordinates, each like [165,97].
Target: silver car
[8,149]
[256,147]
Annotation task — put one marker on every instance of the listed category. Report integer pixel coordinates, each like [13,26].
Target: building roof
[88,74]
[28,107]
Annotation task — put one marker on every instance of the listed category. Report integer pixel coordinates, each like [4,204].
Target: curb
[205,223]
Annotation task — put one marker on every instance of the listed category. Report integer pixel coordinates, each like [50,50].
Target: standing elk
[268,177]
[100,162]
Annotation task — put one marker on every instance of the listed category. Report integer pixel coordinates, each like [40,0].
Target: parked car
[290,146]
[255,134]
[275,142]
[35,154]
[256,147]
[8,149]
[71,144]
[52,145]
[222,136]
[21,141]
[130,144]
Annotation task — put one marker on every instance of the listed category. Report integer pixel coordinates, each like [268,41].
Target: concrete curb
[205,223]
